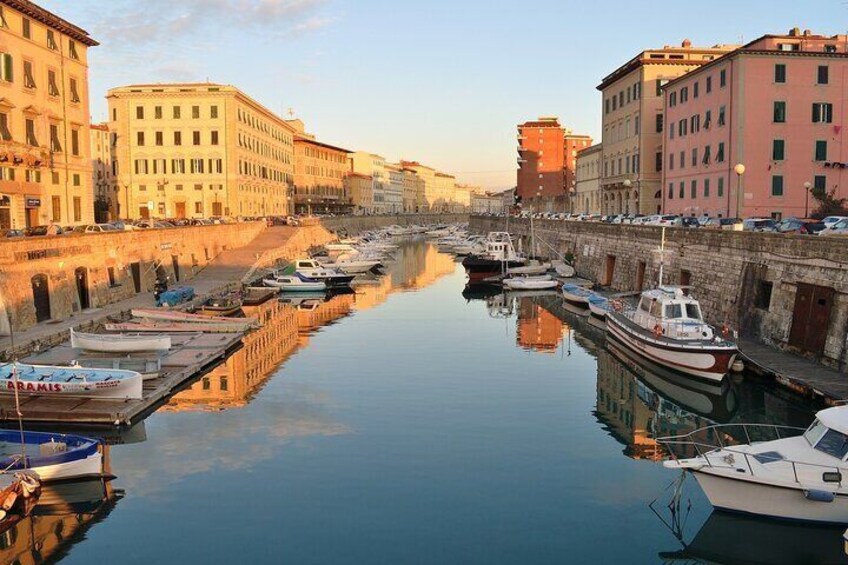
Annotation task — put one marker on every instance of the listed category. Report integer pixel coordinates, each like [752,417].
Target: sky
[441,82]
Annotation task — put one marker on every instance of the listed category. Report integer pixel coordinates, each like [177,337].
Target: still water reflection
[412,422]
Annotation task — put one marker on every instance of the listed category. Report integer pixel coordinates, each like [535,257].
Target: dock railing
[718,447]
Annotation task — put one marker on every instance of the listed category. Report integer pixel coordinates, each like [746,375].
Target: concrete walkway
[228,268]
[794,372]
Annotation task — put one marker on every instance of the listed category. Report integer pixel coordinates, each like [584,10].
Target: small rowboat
[122,343]
[52,380]
[17,499]
[220,306]
[176,327]
[599,305]
[186,317]
[52,456]
[543,282]
[576,294]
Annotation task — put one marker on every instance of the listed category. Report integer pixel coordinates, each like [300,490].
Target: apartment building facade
[587,187]
[102,179]
[374,166]
[633,125]
[759,131]
[319,172]
[198,150]
[359,191]
[45,162]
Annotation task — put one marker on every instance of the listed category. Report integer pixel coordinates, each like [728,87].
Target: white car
[831,220]
[839,228]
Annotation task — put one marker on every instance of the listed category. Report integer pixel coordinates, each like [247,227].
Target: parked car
[37,231]
[801,226]
[669,220]
[292,221]
[11,233]
[200,222]
[839,228]
[690,222]
[759,224]
[724,224]
[95,228]
[831,220]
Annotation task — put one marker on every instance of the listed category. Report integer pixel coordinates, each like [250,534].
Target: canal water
[413,423]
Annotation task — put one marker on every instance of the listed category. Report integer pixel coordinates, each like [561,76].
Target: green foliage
[829,204]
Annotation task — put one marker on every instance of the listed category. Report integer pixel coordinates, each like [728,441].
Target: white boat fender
[816,495]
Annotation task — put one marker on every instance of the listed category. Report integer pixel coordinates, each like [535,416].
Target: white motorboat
[52,380]
[336,247]
[576,294]
[542,282]
[311,269]
[120,343]
[352,266]
[779,471]
[295,283]
[52,456]
[499,256]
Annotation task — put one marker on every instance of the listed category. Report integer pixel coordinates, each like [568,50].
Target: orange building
[538,329]
[319,173]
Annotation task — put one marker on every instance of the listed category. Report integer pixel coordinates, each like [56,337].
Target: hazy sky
[442,82]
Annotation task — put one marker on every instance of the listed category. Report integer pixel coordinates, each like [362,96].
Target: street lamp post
[627,184]
[807,187]
[739,169]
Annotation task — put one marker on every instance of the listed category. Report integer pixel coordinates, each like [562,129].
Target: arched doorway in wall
[41,297]
[81,277]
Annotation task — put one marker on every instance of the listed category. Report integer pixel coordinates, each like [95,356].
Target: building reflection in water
[537,329]
[65,512]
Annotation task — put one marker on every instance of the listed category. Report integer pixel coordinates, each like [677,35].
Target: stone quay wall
[749,281]
[355,224]
[112,265]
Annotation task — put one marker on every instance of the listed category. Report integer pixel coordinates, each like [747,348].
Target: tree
[829,204]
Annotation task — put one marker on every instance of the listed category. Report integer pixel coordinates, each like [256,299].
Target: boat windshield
[815,432]
[833,443]
[692,311]
[673,311]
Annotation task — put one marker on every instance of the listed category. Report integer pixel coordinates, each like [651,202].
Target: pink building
[774,106]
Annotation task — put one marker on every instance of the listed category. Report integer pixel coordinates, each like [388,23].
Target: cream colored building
[393,191]
[632,110]
[199,150]
[587,188]
[102,179]
[483,202]
[45,162]
[364,163]
[359,191]
[413,191]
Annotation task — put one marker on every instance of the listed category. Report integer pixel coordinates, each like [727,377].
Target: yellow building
[587,188]
[102,179]
[45,166]
[413,191]
[360,192]
[199,150]
[632,110]
[374,166]
[319,172]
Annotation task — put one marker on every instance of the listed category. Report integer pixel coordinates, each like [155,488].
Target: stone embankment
[789,292]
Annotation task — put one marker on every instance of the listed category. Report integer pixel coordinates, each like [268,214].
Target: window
[195,112]
[821,150]
[198,187]
[708,118]
[720,186]
[722,78]
[660,83]
[694,156]
[213,112]
[693,191]
[721,116]
[141,166]
[178,166]
[57,208]
[788,46]
[52,87]
[822,113]
[140,138]
[684,94]
[75,97]
[671,161]
[110,273]
[658,161]
[6,67]
[822,75]
[706,188]
[157,112]
[637,127]
[606,106]
[76,179]
[159,138]
[26,28]
[819,184]
[833,443]
[214,138]
[197,166]
[77,209]
[198,207]
[72,50]
[720,153]
[779,112]
[114,115]
[779,73]
[672,99]
[5,134]
[195,137]
[778,150]
[707,156]
[29,77]
[708,86]
[659,123]
[3,22]
[176,112]
[830,48]
[671,191]
[178,138]
[777,185]
[695,89]
[139,112]
[682,159]
[75,146]
[682,189]
[30,132]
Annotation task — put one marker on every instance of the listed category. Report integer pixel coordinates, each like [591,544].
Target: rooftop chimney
[686,44]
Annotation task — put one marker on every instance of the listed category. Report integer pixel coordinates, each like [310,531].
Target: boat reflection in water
[65,512]
[733,538]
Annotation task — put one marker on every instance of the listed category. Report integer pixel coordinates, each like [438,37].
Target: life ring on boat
[725,331]
[617,305]
[658,331]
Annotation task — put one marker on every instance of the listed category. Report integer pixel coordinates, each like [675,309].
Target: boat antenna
[662,256]
[15,385]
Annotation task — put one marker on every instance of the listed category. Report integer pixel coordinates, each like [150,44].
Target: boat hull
[785,502]
[597,310]
[119,344]
[518,284]
[706,362]
[575,298]
[47,380]
[479,269]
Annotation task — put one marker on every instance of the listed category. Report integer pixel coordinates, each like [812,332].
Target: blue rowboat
[51,380]
[576,293]
[599,305]
[52,456]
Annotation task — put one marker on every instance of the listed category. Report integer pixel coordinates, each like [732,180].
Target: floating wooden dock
[190,357]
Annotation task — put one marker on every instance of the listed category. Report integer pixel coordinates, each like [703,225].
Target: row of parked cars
[120,225]
[831,225]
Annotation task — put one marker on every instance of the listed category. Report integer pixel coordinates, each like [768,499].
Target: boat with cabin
[53,380]
[312,269]
[295,283]
[120,343]
[499,257]
[768,470]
